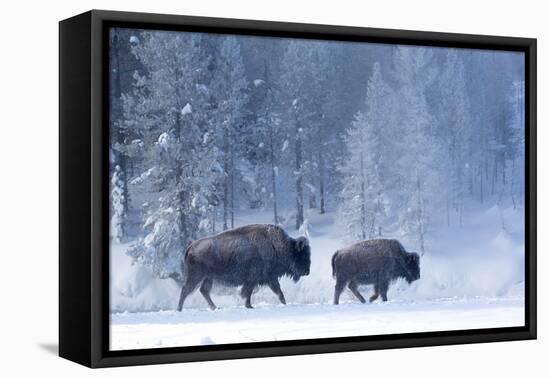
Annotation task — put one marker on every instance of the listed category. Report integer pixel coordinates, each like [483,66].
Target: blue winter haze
[337,141]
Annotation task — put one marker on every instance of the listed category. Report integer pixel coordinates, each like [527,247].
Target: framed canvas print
[234,188]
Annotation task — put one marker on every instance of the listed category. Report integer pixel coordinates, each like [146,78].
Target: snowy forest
[338,141]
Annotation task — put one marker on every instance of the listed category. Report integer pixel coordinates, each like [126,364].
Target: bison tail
[187,251]
[183,265]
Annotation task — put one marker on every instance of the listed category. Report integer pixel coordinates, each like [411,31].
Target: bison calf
[249,256]
[376,262]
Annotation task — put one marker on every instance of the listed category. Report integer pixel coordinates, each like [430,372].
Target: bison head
[412,262]
[301,258]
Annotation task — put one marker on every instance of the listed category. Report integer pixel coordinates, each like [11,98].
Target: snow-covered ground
[297,321]
[471,277]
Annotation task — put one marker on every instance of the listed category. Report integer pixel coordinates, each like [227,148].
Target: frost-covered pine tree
[480,77]
[455,131]
[167,110]
[230,92]
[118,206]
[367,170]
[268,140]
[516,156]
[301,92]
[325,101]
[417,148]
[121,65]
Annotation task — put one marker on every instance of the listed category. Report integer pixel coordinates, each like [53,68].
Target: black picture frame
[83,194]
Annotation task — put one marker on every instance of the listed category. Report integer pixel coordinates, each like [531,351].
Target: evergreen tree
[268,138]
[417,145]
[516,143]
[121,66]
[302,93]
[118,201]
[167,109]
[367,170]
[455,130]
[230,92]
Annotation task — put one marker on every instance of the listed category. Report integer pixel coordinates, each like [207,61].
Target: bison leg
[276,288]
[205,291]
[190,284]
[375,295]
[340,285]
[384,290]
[354,289]
[246,293]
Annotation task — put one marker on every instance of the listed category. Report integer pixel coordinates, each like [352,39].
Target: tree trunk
[486,167]
[363,199]
[119,158]
[184,234]
[322,193]
[312,201]
[420,215]
[321,177]
[214,221]
[448,209]
[460,196]
[232,184]
[312,196]
[180,182]
[273,174]
[471,177]
[225,179]
[503,169]
[495,174]
[512,175]
[298,172]
[481,184]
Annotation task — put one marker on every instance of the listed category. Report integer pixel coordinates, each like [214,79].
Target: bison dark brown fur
[376,262]
[250,256]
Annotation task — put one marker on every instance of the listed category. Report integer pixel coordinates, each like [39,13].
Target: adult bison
[249,256]
[377,262]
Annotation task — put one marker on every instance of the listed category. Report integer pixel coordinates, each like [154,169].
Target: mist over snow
[458,271]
